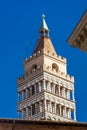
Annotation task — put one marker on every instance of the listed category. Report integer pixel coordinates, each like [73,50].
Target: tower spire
[44,42]
[43,27]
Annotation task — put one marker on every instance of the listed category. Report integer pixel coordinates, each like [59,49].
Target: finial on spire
[43,16]
[44,28]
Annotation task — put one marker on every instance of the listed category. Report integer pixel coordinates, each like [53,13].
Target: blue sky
[19,23]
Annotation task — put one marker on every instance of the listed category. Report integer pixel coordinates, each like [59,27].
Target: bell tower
[46,91]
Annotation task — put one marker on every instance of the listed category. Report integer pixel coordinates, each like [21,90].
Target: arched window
[55,67]
[34,67]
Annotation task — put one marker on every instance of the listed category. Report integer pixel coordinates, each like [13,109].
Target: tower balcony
[45,94]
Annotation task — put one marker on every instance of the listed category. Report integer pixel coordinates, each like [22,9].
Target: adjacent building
[12,124]
[78,37]
[46,90]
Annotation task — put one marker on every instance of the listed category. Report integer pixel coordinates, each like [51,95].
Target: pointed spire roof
[44,42]
[43,25]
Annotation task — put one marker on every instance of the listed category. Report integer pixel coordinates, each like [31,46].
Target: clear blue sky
[19,22]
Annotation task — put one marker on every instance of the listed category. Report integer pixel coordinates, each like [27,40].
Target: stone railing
[55,117]
[40,96]
[38,116]
[29,101]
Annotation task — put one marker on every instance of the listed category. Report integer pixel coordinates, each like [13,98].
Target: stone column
[44,84]
[69,113]
[59,89]
[75,114]
[73,95]
[40,109]
[48,86]
[39,84]
[35,108]
[54,88]
[24,113]
[50,107]
[51,85]
[27,93]
[30,91]
[45,107]
[55,108]
[64,111]
[64,92]
[27,113]
[68,94]
[60,109]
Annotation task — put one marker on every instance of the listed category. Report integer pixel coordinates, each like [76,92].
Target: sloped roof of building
[78,37]
[52,123]
[45,43]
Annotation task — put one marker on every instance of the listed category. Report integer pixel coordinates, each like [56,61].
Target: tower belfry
[44,28]
[46,91]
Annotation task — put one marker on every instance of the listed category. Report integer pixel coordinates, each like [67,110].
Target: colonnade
[47,106]
[53,88]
